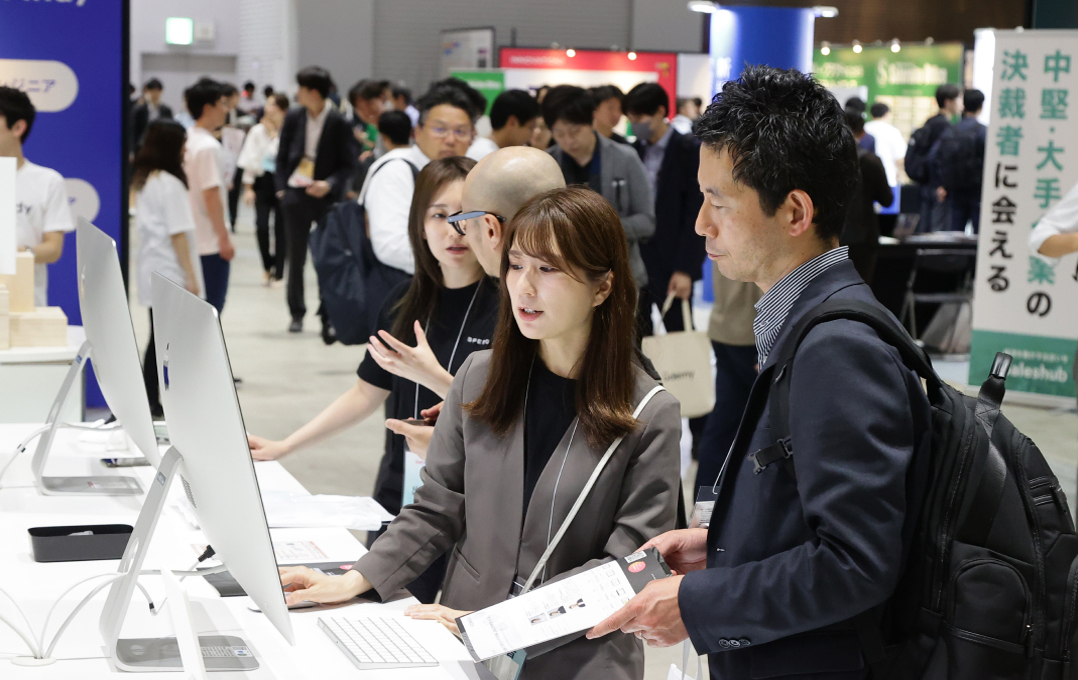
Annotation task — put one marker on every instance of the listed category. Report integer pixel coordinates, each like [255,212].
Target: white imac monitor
[110,345]
[210,453]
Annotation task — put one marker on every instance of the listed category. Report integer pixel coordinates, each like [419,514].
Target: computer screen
[106,318]
[206,428]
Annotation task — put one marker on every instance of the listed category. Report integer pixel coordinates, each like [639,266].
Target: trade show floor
[289,378]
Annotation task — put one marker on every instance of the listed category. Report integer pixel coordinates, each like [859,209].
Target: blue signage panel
[70,56]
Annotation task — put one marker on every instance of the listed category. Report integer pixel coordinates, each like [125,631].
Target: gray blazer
[471,505]
[625,185]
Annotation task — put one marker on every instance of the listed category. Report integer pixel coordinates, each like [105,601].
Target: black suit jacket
[862,225]
[675,247]
[334,158]
[140,120]
[791,561]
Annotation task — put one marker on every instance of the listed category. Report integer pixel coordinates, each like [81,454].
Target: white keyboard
[376,642]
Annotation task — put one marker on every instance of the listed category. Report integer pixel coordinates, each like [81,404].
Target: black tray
[56,544]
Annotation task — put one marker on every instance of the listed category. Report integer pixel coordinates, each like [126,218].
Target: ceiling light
[632,56]
[857,47]
[705,6]
[570,52]
[895,46]
[825,12]
[825,49]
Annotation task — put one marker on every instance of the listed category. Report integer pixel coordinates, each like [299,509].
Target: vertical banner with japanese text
[1022,305]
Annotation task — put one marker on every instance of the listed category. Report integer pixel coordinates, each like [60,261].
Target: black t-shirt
[551,410]
[442,332]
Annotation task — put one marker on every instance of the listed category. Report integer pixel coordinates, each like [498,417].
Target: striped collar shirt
[773,308]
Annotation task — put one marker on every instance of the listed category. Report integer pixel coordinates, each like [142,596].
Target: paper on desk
[286,509]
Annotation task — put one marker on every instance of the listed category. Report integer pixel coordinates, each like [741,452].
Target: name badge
[412,481]
[705,504]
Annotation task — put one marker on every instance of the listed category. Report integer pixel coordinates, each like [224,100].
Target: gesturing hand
[684,550]
[417,364]
[654,615]
[417,436]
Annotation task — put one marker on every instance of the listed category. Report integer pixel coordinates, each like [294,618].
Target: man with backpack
[935,209]
[959,160]
[770,589]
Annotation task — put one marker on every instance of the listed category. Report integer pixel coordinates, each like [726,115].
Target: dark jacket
[333,161]
[862,224]
[140,120]
[958,158]
[675,247]
[789,561]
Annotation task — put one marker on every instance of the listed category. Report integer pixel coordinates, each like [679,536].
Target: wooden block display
[5,318]
[43,327]
[21,286]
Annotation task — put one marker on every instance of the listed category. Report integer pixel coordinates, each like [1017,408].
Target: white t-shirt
[387,196]
[1061,219]
[162,210]
[204,165]
[41,206]
[890,147]
[481,147]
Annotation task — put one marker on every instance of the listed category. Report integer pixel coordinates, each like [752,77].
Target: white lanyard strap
[541,564]
[449,365]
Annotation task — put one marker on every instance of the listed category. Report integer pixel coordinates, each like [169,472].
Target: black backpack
[988,589]
[352,281]
[917,152]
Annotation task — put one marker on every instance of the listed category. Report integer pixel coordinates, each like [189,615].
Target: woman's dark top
[550,412]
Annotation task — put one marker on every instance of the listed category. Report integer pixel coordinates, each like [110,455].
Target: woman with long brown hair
[448,310]
[523,429]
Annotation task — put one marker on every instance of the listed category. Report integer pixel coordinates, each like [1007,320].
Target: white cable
[153,610]
[99,425]
[21,613]
[28,635]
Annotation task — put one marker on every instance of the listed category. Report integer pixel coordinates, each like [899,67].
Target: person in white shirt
[513,117]
[445,130]
[166,228]
[207,188]
[258,160]
[890,144]
[402,101]
[42,209]
[1056,234]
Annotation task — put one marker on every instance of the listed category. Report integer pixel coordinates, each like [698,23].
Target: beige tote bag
[683,359]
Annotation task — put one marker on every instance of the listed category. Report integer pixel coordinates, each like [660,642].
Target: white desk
[30,377]
[79,653]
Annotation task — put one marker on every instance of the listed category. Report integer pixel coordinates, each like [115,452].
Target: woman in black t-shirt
[447,311]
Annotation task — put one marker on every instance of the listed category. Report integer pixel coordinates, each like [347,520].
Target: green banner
[489,83]
[1042,365]
[905,80]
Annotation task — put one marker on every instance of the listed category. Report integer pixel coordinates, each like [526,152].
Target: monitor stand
[219,652]
[102,485]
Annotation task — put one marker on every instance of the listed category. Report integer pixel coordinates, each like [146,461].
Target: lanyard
[449,365]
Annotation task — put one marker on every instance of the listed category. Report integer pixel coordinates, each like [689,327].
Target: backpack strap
[986,499]
[411,166]
[781,448]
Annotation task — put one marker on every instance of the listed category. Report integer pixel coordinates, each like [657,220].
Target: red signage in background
[662,63]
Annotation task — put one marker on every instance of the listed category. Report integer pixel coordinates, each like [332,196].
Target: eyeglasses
[457,218]
[441,131]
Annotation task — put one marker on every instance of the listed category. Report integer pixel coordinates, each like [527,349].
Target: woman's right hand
[265,449]
[303,584]
[248,195]
[191,285]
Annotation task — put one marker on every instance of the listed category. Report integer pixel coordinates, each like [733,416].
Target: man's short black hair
[15,105]
[479,102]
[229,89]
[856,103]
[516,103]
[972,100]
[855,120]
[367,89]
[153,84]
[267,91]
[879,110]
[402,91]
[570,103]
[396,125]
[249,86]
[604,92]
[204,93]
[784,131]
[945,93]
[645,100]
[445,94]
[315,78]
